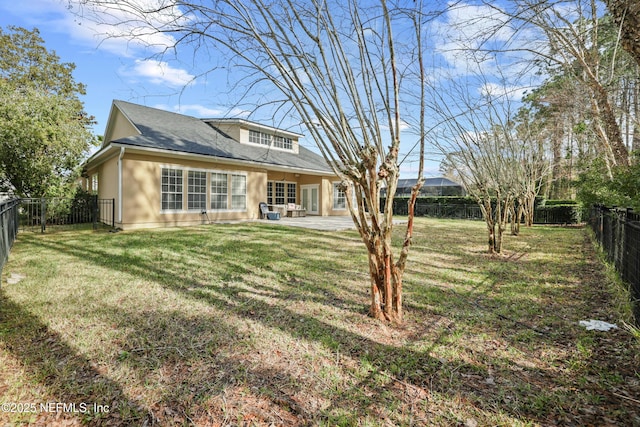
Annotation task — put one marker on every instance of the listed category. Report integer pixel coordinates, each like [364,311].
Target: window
[238,192]
[254,137]
[291,192]
[261,138]
[265,139]
[269,192]
[339,197]
[218,191]
[279,193]
[171,189]
[197,190]
[94,184]
[282,142]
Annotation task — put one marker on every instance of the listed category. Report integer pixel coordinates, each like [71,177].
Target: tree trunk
[386,283]
[626,14]
[487,213]
[515,219]
[556,150]
[612,136]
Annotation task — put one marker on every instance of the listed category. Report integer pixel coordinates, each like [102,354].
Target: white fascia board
[101,156]
[203,157]
[255,126]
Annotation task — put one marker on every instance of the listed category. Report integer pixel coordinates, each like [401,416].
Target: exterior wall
[325,190]
[107,182]
[232,130]
[120,127]
[141,190]
[142,193]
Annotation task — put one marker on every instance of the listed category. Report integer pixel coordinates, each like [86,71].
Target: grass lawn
[254,324]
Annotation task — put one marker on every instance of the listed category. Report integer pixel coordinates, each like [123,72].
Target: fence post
[95,211]
[113,213]
[43,215]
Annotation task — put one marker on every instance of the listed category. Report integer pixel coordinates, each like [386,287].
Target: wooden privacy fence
[618,233]
[8,228]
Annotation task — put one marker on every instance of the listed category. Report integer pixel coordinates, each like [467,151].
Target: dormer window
[262,138]
[251,133]
[282,142]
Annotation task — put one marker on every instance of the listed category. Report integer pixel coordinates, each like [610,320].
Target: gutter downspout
[120,185]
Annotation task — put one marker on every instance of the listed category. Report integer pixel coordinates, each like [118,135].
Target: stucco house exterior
[167,169]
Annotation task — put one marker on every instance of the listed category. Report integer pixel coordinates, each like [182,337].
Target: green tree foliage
[44,131]
[623,190]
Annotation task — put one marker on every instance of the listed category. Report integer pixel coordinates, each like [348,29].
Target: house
[167,169]
[431,187]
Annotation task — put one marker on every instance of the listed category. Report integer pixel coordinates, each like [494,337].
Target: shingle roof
[428,182]
[176,132]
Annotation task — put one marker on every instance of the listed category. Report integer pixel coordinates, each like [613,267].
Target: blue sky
[116,68]
[113,69]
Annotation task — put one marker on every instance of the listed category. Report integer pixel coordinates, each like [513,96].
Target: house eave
[203,157]
[252,125]
[101,156]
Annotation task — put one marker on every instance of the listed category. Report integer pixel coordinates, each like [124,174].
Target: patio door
[309,196]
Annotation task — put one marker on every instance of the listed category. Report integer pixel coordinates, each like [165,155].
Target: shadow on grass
[387,371]
[68,377]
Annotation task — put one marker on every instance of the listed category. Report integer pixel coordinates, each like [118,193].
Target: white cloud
[495,90]
[464,30]
[112,26]
[122,27]
[160,73]
[199,110]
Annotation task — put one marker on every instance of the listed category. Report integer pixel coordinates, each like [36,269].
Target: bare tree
[566,35]
[480,142]
[354,73]
[532,167]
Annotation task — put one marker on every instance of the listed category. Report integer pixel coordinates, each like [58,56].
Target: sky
[116,68]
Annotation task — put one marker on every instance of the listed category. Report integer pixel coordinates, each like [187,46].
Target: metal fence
[542,215]
[8,228]
[461,211]
[40,214]
[618,233]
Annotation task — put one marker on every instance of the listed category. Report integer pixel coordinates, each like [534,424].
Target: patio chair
[266,213]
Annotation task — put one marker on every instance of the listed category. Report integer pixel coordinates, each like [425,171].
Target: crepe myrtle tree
[352,71]
[493,156]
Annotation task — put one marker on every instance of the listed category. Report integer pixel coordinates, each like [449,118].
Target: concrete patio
[323,223]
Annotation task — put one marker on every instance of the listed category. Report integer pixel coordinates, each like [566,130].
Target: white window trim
[333,197]
[185,173]
[171,211]
[206,190]
[95,183]
[272,137]
[286,189]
